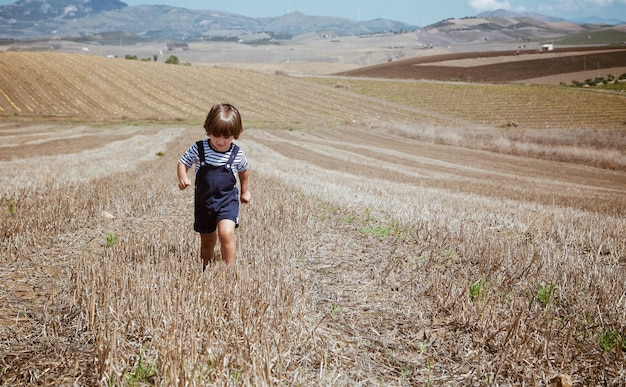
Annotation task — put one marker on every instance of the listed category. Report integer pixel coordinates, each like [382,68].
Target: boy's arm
[243,182]
[183,179]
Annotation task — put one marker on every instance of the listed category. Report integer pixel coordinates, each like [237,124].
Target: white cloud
[490,5]
[599,3]
[586,4]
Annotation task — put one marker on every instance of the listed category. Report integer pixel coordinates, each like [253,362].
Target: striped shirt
[214,158]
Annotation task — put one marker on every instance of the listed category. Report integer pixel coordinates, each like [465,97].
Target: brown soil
[513,66]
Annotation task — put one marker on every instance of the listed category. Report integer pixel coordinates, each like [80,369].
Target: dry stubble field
[388,242]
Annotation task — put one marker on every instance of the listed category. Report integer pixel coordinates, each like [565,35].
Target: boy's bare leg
[226,234]
[207,248]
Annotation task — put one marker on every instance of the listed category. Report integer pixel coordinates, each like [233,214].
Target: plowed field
[500,66]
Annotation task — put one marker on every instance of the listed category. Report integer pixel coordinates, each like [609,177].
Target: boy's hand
[184,183]
[245,197]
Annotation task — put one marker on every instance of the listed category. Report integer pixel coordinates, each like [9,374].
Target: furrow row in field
[91,87]
[99,88]
[37,135]
[138,89]
[20,96]
[296,100]
[194,89]
[64,92]
[270,100]
[7,101]
[498,104]
[189,90]
[99,82]
[66,87]
[149,85]
[227,85]
[344,106]
[395,160]
[534,107]
[286,100]
[470,160]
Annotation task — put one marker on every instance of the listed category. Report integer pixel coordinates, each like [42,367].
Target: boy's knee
[209,237]
[226,234]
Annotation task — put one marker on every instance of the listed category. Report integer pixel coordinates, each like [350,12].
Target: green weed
[111,239]
[235,376]
[349,219]
[477,288]
[144,371]
[545,293]
[11,207]
[368,215]
[611,339]
[159,153]
[379,231]
[401,232]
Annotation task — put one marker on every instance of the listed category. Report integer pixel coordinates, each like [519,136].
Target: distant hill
[531,15]
[597,20]
[29,19]
[505,14]
[502,25]
[34,19]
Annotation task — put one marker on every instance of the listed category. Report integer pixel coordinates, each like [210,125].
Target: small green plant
[235,375]
[545,293]
[349,219]
[451,256]
[379,231]
[401,232]
[611,339]
[11,207]
[477,288]
[111,239]
[159,153]
[143,373]
[368,215]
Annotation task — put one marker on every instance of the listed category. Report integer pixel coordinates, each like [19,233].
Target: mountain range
[32,19]
[28,19]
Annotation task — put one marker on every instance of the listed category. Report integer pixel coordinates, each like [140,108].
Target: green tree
[173,59]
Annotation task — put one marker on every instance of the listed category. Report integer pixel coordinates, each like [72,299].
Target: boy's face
[221,144]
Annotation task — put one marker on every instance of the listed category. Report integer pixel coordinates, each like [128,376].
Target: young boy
[217,159]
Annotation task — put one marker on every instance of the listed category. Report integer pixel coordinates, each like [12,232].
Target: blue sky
[409,11]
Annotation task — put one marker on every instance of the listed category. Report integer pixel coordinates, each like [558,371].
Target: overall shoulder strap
[200,145]
[233,154]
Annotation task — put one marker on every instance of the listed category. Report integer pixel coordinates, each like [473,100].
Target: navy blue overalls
[216,194]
